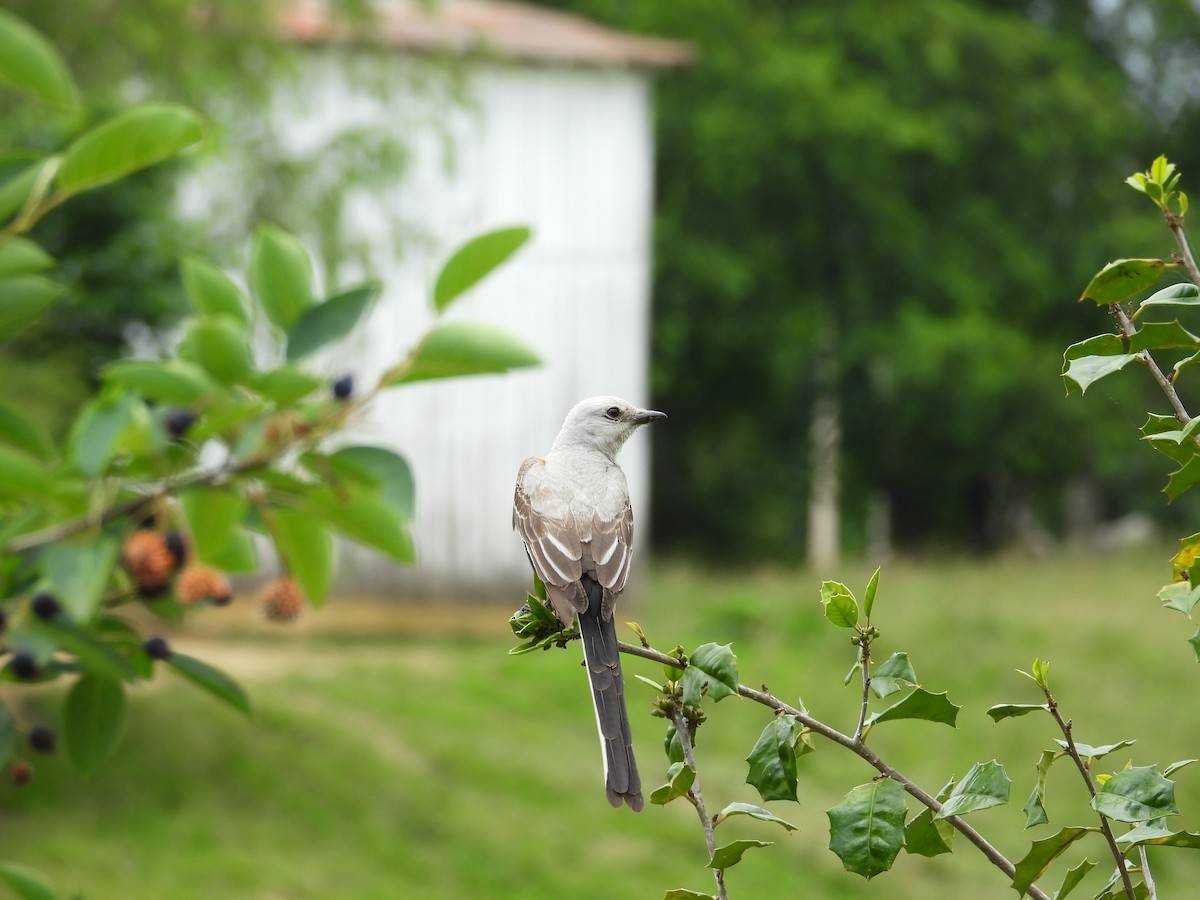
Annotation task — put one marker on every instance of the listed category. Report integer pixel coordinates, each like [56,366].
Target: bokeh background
[866,228]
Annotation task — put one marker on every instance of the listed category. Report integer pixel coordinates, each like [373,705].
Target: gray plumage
[572,511]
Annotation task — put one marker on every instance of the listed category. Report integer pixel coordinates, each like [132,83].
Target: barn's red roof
[508,30]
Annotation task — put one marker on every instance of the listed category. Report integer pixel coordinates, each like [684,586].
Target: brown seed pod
[281,600]
[149,560]
[198,582]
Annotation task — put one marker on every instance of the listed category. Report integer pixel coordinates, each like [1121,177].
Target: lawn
[411,757]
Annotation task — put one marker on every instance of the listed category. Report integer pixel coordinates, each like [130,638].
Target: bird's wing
[542,517]
[611,549]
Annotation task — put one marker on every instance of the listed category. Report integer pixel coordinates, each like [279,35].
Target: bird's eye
[613,412]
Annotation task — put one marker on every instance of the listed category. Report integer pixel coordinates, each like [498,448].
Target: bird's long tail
[603,661]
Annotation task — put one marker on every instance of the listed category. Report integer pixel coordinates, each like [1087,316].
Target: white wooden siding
[567,151]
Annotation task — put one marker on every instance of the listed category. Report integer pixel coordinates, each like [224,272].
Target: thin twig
[864,661]
[1128,329]
[1105,828]
[994,856]
[1175,223]
[685,741]
[1147,878]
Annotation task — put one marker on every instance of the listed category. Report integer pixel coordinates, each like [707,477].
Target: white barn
[557,135]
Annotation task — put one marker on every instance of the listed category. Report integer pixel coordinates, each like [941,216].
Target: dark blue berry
[156,647]
[46,606]
[176,547]
[178,421]
[24,665]
[43,739]
[343,387]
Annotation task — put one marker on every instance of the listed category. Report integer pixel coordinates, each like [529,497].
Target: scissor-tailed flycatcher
[572,511]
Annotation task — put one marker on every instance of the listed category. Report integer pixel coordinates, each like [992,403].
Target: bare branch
[685,741]
[1086,774]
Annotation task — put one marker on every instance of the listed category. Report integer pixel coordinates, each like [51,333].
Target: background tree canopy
[907,190]
[892,202]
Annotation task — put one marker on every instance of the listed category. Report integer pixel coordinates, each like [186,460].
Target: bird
[572,510]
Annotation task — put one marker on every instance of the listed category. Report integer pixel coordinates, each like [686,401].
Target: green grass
[436,766]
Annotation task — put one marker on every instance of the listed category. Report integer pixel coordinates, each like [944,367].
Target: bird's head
[603,423]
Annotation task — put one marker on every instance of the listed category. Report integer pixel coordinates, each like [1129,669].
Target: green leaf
[1183,479]
[307,548]
[211,291]
[731,854]
[1087,370]
[95,656]
[1002,711]
[749,809]
[20,171]
[281,274]
[1154,836]
[1034,809]
[672,746]
[925,837]
[365,518]
[132,140]
[680,778]
[869,596]
[1107,344]
[1163,336]
[1182,294]
[920,704]
[773,760]
[220,345]
[1179,595]
[685,894]
[840,606]
[1176,766]
[330,321]
[1136,795]
[173,381]
[1074,875]
[285,385]
[27,883]
[866,830]
[456,349]
[21,475]
[1041,853]
[1088,753]
[210,679]
[78,572]
[212,515]
[386,470]
[94,720]
[986,785]
[711,668]
[96,431]
[19,256]
[238,555]
[22,301]
[895,674]
[25,434]
[474,260]
[32,65]
[8,734]
[1123,278]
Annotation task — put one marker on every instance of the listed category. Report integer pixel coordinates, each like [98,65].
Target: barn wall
[567,151]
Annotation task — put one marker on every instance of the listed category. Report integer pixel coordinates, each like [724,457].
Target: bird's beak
[648,415]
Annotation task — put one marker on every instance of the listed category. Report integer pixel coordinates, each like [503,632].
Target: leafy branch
[767,699]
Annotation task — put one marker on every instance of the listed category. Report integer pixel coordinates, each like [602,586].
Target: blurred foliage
[920,187]
[118,246]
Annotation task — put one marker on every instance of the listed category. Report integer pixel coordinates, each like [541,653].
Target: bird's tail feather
[603,661]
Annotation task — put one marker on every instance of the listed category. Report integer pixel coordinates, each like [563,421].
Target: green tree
[880,177]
